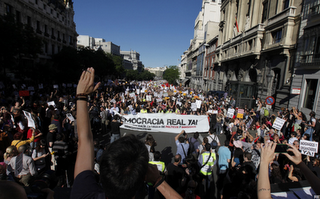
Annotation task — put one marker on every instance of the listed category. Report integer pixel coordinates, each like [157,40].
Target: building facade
[305,80]
[256,49]
[51,20]
[205,28]
[132,57]
[158,71]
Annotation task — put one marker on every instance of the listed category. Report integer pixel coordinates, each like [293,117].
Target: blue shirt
[180,150]
[224,155]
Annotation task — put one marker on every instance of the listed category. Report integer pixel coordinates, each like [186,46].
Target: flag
[237,24]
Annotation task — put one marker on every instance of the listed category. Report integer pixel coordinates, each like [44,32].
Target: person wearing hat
[50,140]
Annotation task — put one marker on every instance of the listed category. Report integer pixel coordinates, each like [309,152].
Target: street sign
[270,100]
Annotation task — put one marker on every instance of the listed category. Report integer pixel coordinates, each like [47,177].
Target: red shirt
[29,135]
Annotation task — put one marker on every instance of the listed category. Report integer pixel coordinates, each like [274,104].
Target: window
[265,11]
[276,36]
[250,45]
[310,93]
[8,9]
[38,25]
[18,17]
[52,49]
[28,20]
[286,4]
[36,1]
[45,47]
[44,6]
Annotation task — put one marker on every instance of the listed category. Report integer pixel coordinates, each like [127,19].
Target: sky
[160,31]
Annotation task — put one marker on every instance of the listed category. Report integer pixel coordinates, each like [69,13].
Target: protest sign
[148,98]
[240,113]
[31,88]
[132,94]
[308,147]
[198,102]
[51,103]
[215,112]
[194,106]
[55,86]
[31,123]
[278,123]
[70,117]
[230,113]
[24,93]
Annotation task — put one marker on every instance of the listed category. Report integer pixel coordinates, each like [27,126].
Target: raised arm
[177,137]
[267,155]
[153,176]
[85,155]
[310,176]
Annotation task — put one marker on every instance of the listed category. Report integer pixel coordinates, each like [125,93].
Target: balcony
[64,41]
[310,61]
[53,37]
[46,34]
[245,44]
[59,39]
[284,15]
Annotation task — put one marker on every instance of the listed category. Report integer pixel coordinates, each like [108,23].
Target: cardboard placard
[24,93]
[278,123]
[308,148]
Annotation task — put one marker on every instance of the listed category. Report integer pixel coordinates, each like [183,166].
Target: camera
[281,148]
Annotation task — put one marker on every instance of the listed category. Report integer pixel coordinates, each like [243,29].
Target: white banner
[278,123]
[308,147]
[169,122]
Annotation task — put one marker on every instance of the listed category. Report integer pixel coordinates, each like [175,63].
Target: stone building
[51,20]
[305,80]
[205,28]
[134,58]
[256,49]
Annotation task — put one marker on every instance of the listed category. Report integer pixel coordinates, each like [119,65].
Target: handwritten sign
[308,148]
[278,123]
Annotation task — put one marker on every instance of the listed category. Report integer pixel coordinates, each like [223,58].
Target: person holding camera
[182,145]
[268,155]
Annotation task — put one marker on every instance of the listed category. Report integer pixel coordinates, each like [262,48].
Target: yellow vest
[160,165]
[207,169]
[143,111]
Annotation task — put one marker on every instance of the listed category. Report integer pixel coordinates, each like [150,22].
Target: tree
[171,74]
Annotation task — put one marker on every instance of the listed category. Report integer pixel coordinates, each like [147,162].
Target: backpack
[191,147]
[214,143]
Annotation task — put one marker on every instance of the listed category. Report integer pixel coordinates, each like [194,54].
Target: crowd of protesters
[48,148]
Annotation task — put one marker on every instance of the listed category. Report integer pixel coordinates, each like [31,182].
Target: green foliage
[135,75]
[171,74]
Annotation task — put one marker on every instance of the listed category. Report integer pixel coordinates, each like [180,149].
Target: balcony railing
[310,59]
[289,12]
